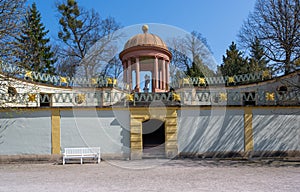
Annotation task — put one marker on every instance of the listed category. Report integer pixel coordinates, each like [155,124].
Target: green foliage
[33,52]
[199,69]
[233,62]
[194,71]
[70,20]
[257,60]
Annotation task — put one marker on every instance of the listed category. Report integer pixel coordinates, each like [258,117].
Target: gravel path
[149,175]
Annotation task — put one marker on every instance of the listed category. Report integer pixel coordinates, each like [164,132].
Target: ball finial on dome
[145,28]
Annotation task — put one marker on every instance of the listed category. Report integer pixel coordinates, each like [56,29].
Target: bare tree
[276,23]
[11,13]
[86,38]
[196,45]
[191,55]
[114,68]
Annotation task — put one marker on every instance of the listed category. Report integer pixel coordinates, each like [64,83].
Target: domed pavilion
[146,52]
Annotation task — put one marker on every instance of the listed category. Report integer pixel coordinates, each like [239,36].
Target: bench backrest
[82,150]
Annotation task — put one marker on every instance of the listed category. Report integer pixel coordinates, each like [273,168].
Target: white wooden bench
[81,153]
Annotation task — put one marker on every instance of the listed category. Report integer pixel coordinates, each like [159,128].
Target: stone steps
[154,152]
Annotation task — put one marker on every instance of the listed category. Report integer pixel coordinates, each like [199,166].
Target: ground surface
[150,175]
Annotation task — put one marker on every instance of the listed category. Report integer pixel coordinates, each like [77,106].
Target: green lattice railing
[234,80]
[56,80]
[110,97]
[109,82]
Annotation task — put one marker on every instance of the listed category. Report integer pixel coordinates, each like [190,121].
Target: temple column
[137,68]
[129,72]
[167,75]
[156,73]
[125,67]
[160,79]
[163,75]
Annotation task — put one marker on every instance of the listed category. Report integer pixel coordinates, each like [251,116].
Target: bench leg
[64,160]
[81,160]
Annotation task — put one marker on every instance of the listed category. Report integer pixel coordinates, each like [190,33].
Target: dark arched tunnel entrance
[153,138]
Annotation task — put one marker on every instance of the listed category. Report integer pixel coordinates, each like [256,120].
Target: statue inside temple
[147,82]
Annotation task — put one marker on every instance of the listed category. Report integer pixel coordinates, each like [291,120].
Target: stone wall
[276,129]
[210,130]
[25,132]
[196,130]
[95,128]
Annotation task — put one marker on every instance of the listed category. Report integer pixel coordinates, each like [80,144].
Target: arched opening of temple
[153,138]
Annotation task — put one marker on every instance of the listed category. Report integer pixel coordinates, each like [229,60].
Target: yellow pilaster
[138,116]
[171,133]
[248,130]
[55,136]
